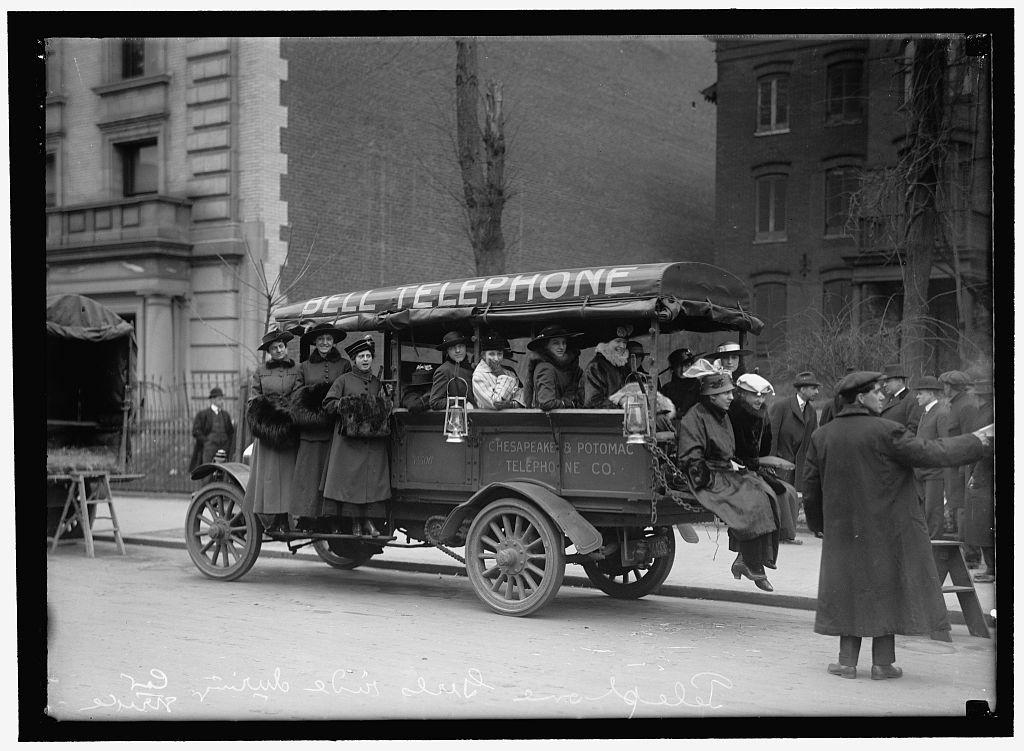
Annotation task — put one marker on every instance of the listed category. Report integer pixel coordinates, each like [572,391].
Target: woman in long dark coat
[357,480]
[705,451]
[276,438]
[454,366]
[877,575]
[323,367]
[554,375]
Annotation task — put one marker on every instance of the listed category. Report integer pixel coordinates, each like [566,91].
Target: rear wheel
[515,557]
[338,554]
[222,538]
[630,582]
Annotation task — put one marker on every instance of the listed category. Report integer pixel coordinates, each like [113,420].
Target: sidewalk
[700,571]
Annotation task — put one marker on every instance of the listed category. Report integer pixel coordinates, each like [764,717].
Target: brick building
[169,160]
[799,121]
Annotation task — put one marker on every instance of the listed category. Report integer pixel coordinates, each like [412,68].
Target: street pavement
[701,570]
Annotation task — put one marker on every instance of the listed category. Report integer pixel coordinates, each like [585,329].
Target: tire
[340,560]
[222,538]
[515,557]
[612,578]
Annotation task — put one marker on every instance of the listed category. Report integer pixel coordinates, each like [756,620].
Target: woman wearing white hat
[742,500]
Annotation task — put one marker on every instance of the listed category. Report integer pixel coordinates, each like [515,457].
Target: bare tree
[914,209]
[270,289]
[481,155]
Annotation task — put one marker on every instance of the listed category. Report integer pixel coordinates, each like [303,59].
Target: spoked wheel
[339,554]
[515,557]
[632,582]
[223,540]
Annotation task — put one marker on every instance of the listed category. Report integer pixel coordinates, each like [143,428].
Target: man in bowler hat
[212,429]
[793,420]
[898,407]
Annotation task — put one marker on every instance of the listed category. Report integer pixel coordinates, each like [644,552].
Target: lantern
[456,415]
[636,421]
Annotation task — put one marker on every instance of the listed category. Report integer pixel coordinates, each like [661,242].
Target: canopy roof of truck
[80,317]
[682,296]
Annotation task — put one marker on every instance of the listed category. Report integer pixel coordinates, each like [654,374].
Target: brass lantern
[456,415]
[636,417]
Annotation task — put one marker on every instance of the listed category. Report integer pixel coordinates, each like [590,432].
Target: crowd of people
[874,489]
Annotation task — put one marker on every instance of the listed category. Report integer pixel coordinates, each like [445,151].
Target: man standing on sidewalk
[877,575]
[212,429]
[963,412]
[929,479]
[793,420]
[899,406]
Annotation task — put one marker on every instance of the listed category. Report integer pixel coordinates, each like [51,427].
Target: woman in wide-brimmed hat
[357,480]
[554,374]
[275,433]
[705,452]
[322,368]
[416,393]
[727,356]
[453,376]
[494,385]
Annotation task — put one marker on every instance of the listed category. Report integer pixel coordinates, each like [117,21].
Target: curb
[791,602]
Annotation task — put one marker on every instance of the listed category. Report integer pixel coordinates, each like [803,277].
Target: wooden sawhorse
[949,559]
[76,507]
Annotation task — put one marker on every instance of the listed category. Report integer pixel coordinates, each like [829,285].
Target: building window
[773,104]
[133,58]
[840,185]
[770,223]
[844,92]
[139,167]
[835,300]
[51,180]
[770,307]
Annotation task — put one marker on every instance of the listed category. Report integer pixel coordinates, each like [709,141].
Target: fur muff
[270,420]
[307,407]
[364,416]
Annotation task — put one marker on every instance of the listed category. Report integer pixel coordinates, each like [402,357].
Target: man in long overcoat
[963,412]
[877,575]
[793,420]
[212,429]
[899,405]
[930,426]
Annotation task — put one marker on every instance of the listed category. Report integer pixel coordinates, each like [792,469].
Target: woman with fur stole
[555,374]
[276,437]
[607,372]
[323,367]
[357,480]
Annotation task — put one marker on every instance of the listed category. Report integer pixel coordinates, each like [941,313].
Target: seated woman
[555,372]
[454,365]
[494,385]
[416,394]
[752,428]
[606,373]
[741,499]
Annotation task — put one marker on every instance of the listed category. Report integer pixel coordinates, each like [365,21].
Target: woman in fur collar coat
[357,481]
[276,437]
[324,366]
[555,373]
[606,373]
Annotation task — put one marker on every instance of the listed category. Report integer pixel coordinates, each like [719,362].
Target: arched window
[773,104]
[770,218]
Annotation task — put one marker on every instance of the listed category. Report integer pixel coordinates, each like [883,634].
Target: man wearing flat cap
[793,420]
[898,407]
[963,412]
[212,429]
[877,576]
[930,425]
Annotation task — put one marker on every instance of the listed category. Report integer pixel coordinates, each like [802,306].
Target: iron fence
[161,433]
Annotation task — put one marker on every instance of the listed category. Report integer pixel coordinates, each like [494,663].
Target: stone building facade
[174,164]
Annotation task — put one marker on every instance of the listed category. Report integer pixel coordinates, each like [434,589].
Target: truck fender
[236,470]
[583,534]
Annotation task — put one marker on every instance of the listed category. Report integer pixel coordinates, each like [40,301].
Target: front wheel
[222,538]
[613,578]
[346,558]
[515,557]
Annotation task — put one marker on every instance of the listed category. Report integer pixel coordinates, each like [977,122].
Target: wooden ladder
[76,507]
[949,559]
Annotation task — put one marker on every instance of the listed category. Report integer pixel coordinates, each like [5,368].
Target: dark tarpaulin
[90,360]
